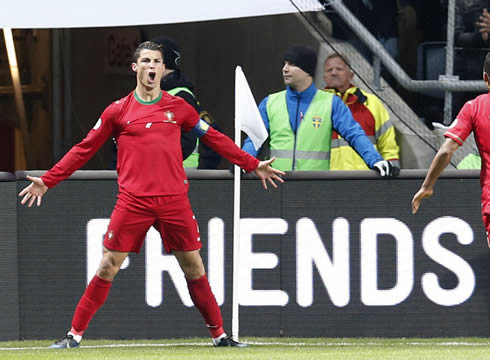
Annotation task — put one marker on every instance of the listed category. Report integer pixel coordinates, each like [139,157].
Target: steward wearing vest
[367,110]
[195,154]
[301,119]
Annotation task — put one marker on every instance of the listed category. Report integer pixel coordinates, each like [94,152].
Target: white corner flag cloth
[247,116]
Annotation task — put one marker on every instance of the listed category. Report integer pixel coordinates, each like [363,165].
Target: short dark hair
[486,65]
[147,45]
[340,56]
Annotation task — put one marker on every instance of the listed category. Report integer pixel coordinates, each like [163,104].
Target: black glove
[386,169]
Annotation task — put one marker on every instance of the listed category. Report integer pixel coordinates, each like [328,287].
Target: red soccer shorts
[133,216]
[486,222]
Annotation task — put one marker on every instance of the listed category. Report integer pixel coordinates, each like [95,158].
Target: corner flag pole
[236,236]
[248,120]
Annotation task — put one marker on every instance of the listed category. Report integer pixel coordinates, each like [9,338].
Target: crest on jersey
[169,115]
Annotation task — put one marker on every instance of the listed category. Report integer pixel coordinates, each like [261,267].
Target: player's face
[294,76]
[337,74]
[149,68]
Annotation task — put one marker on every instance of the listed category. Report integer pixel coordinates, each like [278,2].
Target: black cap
[171,52]
[303,57]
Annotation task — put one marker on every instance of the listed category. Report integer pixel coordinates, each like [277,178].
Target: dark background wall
[52,260]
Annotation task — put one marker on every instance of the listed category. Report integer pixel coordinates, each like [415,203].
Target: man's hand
[265,172]
[386,169]
[417,198]
[34,191]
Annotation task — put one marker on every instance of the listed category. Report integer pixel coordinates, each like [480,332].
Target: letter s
[451,261]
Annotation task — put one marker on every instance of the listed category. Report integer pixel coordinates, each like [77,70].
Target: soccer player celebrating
[473,117]
[152,188]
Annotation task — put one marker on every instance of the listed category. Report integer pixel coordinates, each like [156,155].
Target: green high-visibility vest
[192,160]
[470,161]
[309,148]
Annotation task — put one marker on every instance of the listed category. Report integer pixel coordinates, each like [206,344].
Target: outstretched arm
[440,162]
[224,146]
[34,191]
[267,173]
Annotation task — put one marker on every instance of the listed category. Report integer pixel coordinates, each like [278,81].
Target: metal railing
[447,82]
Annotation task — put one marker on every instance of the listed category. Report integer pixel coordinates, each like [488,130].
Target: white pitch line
[259,344]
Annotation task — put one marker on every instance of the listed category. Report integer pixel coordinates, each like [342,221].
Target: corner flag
[247,116]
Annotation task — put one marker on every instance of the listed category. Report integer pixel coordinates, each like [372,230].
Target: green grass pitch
[260,349]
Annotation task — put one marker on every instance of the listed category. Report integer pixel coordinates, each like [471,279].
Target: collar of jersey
[147,102]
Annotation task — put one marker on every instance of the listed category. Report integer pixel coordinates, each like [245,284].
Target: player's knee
[193,270]
[107,269]
[106,273]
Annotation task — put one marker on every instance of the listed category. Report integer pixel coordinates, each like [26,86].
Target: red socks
[97,291]
[203,298]
[93,298]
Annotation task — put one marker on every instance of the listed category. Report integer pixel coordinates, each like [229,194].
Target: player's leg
[200,291]
[126,232]
[97,291]
[93,298]
[202,296]
[180,233]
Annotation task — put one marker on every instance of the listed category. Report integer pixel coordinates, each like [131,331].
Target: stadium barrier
[9,298]
[328,254]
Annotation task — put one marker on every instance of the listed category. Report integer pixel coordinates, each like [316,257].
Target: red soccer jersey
[475,117]
[149,159]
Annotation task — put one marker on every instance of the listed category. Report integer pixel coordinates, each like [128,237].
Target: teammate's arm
[440,162]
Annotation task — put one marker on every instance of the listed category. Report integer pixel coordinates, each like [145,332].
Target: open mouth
[151,76]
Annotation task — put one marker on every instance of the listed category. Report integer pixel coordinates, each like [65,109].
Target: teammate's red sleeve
[224,146]
[462,126]
[83,151]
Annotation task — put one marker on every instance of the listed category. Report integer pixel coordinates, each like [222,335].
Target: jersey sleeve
[83,151]
[191,117]
[351,131]
[462,126]
[224,146]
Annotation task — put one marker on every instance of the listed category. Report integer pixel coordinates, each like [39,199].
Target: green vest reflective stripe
[179,89]
[309,148]
[336,143]
[192,160]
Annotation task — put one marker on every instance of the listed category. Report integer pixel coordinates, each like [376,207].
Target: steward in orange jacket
[367,110]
